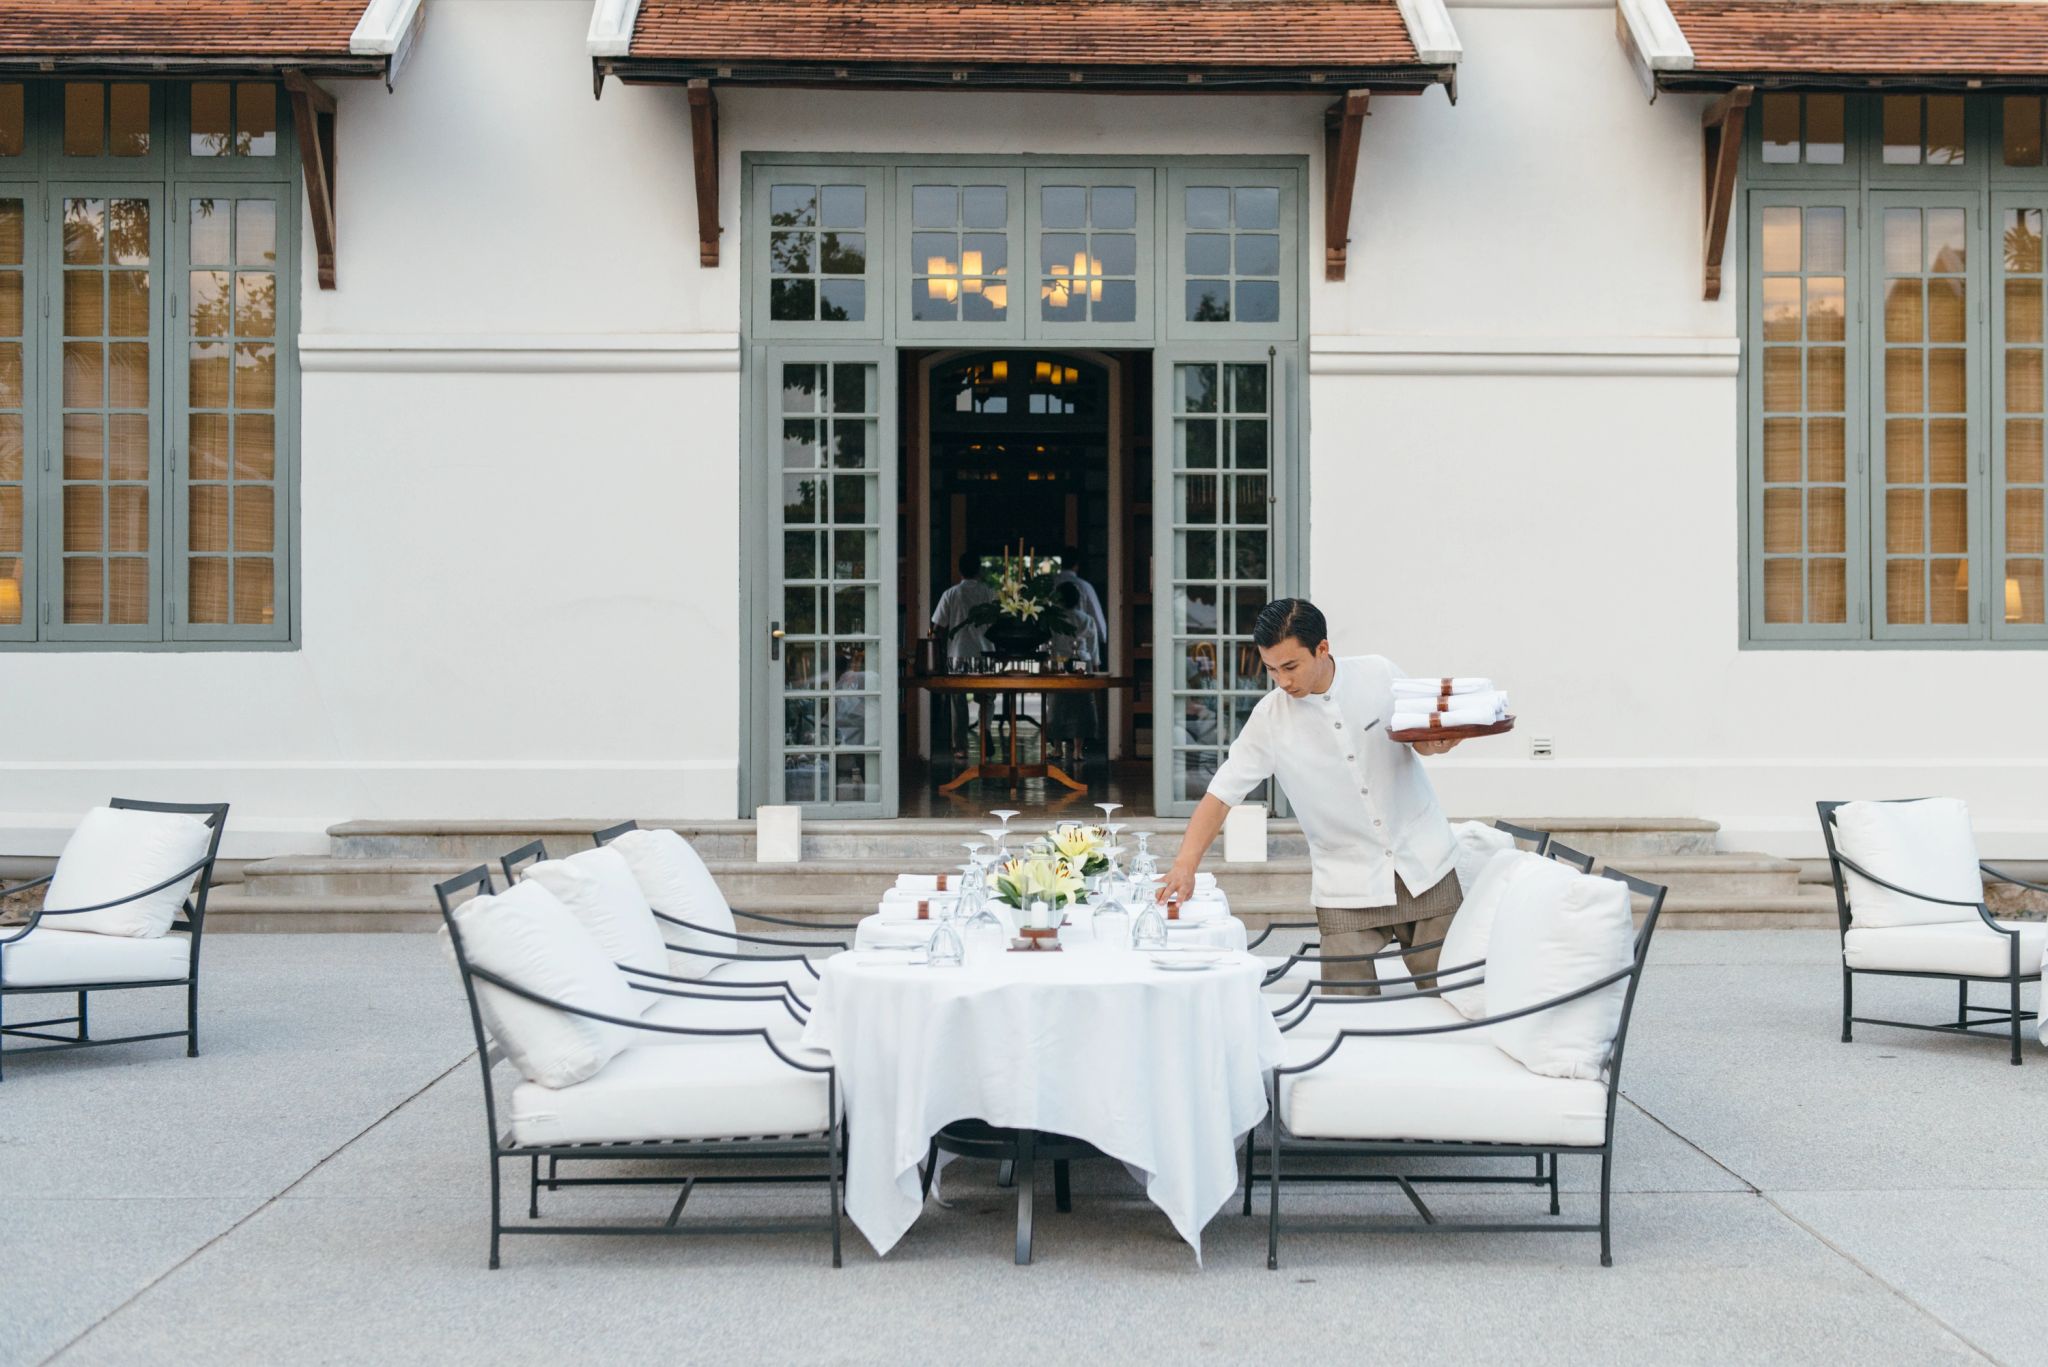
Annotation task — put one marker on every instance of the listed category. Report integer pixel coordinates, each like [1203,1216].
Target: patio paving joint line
[1810,1231]
[266,1204]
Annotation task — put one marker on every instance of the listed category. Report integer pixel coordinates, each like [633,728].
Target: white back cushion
[526,936]
[1551,937]
[1478,843]
[1926,846]
[599,889]
[675,882]
[116,851]
[1471,932]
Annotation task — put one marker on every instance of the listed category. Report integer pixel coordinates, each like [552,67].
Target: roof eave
[1148,80]
[74,63]
[1696,81]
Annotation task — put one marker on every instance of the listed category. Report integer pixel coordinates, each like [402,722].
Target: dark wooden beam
[1721,129]
[1342,130]
[313,111]
[704,154]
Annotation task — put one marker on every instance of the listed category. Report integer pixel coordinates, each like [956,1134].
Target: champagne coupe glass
[1003,814]
[1109,811]
[999,850]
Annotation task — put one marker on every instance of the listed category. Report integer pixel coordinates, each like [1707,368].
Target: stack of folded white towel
[1429,704]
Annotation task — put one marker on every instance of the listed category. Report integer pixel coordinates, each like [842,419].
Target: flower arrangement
[1083,847]
[1024,614]
[1037,877]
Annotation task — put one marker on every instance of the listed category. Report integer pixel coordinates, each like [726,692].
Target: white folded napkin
[925,882]
[895,909]
[1457,702]
[1430,688]
[1423,721]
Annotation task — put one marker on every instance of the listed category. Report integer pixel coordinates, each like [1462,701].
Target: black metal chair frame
[1282,1144]
[1311,950]
[828,1144]
[533,851]
[1979,1021]
[193,922]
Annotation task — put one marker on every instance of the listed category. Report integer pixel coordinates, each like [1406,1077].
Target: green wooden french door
[826,624]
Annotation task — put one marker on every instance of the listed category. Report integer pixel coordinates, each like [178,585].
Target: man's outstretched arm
[1194,843]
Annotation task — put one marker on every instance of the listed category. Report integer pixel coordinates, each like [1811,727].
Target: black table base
[1018,1151]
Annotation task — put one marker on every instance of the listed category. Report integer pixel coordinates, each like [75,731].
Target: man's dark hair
[1290,617]
[970,565]
[1068,596]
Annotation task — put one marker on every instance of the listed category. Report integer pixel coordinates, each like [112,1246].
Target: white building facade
[527,546]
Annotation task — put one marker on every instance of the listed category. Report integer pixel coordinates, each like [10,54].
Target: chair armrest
[716,990]
[40,912]
[1307,999]
[780,999]
[710,1032]
[2005,877]
[1304,957]
[1849,863]
[1596,985]
[743,937]
[809,967]
[1272,926]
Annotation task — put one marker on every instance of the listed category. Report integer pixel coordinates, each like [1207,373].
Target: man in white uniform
[964,640]
[1381,852]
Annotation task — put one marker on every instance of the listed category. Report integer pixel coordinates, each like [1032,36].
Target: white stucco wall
[520,468]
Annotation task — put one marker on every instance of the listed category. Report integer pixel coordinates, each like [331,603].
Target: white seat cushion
[599,888]
[788,972]
[675,882]
[1926,846]
[1953,947]
[736,1090]
[1471,931]
[117,851]
[1557,931]
[45,957]
[525,936]
[1436,1089]
[1390,1012]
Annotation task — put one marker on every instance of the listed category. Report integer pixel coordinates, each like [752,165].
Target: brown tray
[1452,732]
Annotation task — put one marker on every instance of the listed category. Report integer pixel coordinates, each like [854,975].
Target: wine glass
[1109,810]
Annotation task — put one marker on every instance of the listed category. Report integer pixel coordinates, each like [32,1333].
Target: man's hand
[1180,883]
[1435,747]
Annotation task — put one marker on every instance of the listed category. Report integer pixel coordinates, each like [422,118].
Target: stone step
[931,839]
[1714,875]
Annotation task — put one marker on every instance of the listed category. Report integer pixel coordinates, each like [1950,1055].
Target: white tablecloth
[1161,1070]
[1208,925]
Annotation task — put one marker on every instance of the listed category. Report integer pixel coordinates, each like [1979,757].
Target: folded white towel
[925,882]
[1457,702]
[900,908]
[1430,688]
[1423,721]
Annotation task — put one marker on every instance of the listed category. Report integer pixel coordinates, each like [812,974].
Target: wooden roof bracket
[1343,127]
[313,117]
[1721,129]
[704,157]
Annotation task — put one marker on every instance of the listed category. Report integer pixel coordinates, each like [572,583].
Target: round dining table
[1158,1067]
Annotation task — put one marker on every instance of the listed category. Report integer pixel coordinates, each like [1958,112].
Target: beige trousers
[1412,920]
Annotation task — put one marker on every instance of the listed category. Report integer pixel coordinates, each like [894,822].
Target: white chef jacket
[1363,801]
[954,605]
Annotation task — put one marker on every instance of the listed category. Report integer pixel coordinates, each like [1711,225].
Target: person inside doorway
[965,642]
[1071,720]
[1381,854]
[1091,602]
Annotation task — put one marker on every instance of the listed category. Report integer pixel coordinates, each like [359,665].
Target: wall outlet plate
[1539,747]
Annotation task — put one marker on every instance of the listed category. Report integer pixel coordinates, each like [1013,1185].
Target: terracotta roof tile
[187,28]
[1238,34]
[1869,37]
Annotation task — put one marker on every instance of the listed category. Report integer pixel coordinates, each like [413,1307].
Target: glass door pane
[1922,374]
[831,464]
[1222,548]
[18,451]
[106,431]
[2019,485]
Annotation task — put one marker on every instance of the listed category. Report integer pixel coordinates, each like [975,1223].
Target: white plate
[1187,963]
